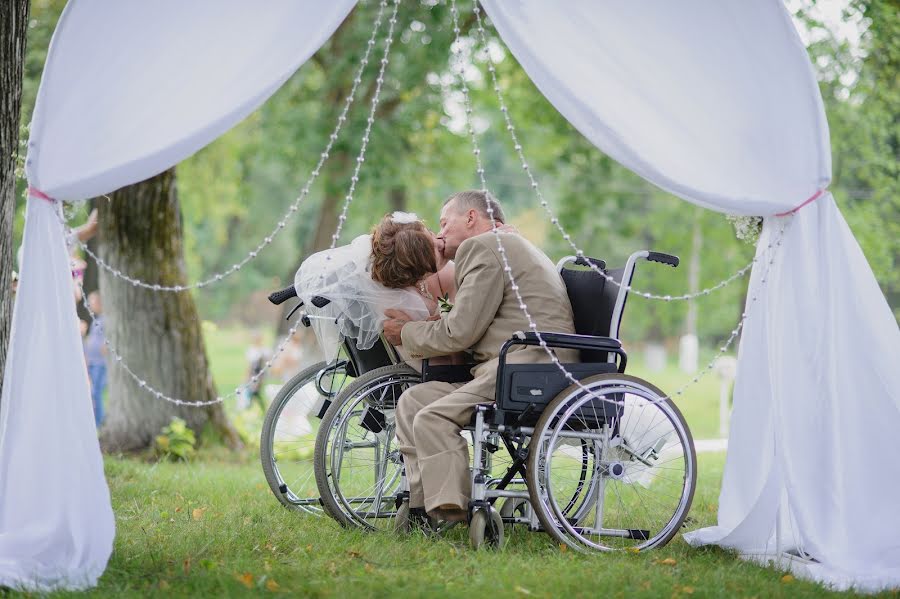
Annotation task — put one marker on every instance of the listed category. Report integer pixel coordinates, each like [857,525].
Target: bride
[400,265]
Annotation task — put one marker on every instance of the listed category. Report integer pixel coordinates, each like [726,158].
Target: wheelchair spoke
[643,477]
[362,464]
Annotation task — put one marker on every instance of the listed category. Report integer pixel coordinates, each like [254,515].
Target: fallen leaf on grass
[354,553]
[633,550]
[666,562]
[787,578]
[186,566]
[245,579]
[563,547]
[522,590]
[271,585]
[197,513]
[177,509]
[686,590]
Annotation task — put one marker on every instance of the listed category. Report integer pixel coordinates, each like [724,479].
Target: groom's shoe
[450,514]
[419,520]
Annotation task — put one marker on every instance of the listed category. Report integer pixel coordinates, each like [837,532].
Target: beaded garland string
[460,70]
[295,205]
[143,384]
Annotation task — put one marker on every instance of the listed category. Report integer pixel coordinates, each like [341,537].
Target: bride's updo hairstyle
[402,252]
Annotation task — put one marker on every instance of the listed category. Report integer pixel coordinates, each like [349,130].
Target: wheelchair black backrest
[593,300]
[361,361]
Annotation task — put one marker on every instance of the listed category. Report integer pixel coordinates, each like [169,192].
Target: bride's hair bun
[402,252]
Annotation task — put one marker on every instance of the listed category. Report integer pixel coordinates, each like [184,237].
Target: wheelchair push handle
[282,295]
[663,258]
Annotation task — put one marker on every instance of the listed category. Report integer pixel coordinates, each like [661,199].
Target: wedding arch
[714,102]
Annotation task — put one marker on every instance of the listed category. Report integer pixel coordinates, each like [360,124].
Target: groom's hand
[394,324]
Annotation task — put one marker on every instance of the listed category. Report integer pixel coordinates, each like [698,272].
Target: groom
[485,314]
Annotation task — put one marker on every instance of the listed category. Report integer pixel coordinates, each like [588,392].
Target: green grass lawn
[211,528]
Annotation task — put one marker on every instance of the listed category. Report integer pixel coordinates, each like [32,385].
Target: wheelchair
[287,441]
[598,459]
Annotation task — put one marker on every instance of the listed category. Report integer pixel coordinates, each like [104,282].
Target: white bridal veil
[357,303]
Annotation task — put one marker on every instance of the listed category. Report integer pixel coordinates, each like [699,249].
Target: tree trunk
[13,25]
[157,334]
[397,196]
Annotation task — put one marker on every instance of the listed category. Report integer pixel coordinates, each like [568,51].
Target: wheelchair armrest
[566,341]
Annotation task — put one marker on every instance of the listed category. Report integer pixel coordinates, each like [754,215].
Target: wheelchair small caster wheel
[486,529]
[401,519]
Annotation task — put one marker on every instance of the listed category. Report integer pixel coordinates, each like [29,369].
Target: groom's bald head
[466,214]
[480,201]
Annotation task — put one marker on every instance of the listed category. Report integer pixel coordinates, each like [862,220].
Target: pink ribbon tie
[809,200]
[34,191]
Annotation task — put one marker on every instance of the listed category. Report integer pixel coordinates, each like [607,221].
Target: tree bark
[397,196]
[158,334]
[13,25]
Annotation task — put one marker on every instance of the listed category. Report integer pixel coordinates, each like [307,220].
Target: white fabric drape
[129,89]
[717,103]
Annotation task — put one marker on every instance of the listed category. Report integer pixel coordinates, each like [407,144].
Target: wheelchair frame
[514,426]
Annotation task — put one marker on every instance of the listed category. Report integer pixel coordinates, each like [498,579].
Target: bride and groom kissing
[487,279]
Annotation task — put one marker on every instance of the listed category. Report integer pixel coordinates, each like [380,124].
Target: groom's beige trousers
[435,455]
[486,313]
[429,419]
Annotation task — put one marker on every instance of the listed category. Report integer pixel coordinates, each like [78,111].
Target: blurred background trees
[233,192]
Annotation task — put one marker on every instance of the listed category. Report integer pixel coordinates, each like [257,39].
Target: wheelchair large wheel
[357,463]
[643,467]
[287,441]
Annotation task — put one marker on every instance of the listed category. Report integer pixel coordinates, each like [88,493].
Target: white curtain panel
[130,88]
[717,103]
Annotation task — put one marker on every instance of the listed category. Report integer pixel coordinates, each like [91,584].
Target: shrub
[177,441]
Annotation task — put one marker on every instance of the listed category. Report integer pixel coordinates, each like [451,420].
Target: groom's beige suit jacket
[487,311]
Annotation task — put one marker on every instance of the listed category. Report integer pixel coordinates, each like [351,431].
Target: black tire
[329,486]
[572,533]
[294,493]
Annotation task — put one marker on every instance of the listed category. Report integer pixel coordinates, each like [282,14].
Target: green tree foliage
[234,191]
